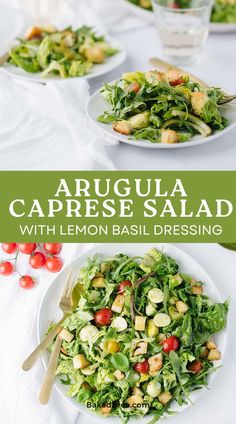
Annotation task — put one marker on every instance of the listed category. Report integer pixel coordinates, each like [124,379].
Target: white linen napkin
[18,310]
[39,123]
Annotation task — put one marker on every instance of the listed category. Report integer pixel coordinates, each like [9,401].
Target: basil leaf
[119,361]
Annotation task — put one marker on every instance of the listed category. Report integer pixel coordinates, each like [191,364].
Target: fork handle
[46,388]
[33,357]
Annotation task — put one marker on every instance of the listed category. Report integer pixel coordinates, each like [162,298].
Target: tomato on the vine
[53,264]
[9,247]
[37,260]
[122,285]
[103,317]
[26,282]
[27,248]
[142,367]
[52,248]
[171,343]
[6,268]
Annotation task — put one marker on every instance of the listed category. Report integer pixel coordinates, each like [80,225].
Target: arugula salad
[224,11]
[140,338]
[162,107]
[67,53]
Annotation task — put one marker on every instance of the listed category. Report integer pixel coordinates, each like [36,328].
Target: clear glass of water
[183,28]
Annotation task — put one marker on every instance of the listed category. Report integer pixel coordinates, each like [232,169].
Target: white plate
[49,310]
[148,16]
[97,105]
[97,70]
[222,28]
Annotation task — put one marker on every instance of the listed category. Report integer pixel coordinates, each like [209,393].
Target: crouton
[122,127]
[181,307]
[214,355]
[118,303]
[79,361]
[210,344]
[169,136]
[140,323]
[198,101]
[142,349]
[94,54]
[33,32]
[165,397]
[155,364]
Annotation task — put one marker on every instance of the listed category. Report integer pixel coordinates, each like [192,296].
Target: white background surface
[18,309]
[62,148]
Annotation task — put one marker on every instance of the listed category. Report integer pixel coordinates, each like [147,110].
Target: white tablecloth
[18,309]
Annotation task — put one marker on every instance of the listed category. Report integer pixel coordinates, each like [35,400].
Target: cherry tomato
[53,264]
[171,343]
[177,82]
[195,366]
[9,247]
[27,248]
[174,5]
[103,317]
[135,87]
[6,268]
[52,248]
[37,260]
[26,282]
[122,285]
[142,367]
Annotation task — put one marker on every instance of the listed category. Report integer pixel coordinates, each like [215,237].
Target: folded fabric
[43,122]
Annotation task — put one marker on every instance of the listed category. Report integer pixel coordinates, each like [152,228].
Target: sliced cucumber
[85,316]
[88,333]
[162,320]
[119,323]
[156,295]
[154,388]
[150,310]
[87,371]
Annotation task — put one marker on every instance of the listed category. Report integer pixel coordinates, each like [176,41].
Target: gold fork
[66,304]
[162,65]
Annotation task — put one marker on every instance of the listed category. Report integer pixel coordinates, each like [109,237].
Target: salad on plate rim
[140,338]
[162,107]
[224,11]
[64,53]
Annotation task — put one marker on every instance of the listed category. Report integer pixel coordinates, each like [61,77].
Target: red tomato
[26,282]
[37,260]
[9,247]
[177,82]
[103,317]
[135,87]
[53,248]
[171,343]
[6,268]
[27,248]
[122,285]
[174,5]
[195,366]
[53,264]
[142,367]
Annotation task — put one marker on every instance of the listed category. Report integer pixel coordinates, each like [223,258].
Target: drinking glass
[183,27]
